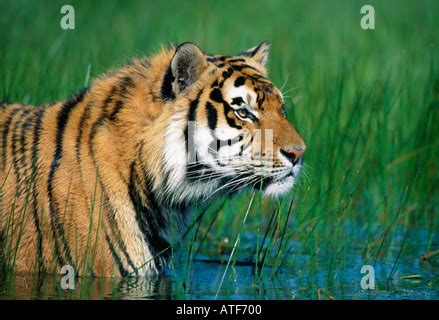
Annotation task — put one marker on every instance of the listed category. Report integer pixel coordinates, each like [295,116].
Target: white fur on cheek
[203,139]
[175,152]
[177,188]
[225,132]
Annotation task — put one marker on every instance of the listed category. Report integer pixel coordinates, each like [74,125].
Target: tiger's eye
[243,113]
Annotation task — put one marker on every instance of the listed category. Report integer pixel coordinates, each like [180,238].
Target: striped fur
[101,180]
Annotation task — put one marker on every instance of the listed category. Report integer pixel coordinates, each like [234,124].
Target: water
[412,278]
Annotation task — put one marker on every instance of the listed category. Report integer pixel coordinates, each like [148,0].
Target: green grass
[365,102]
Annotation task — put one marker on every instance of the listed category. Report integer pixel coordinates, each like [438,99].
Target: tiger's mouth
[232,178]
[280,185]
[269,184]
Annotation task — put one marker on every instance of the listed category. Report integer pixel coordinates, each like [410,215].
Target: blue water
[321,279]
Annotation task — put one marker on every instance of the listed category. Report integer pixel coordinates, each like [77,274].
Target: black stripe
[239,81]
[26,124]
[230,121]
[241,67]
[217,96]
[264,82]
[116,257]
[237,101]
[236,60]
[119,240]
[260,100]
[212,115]
[226,75]
[57,229]
[193,110]
[166,89]
[117,107]
[14,152]
[5,133]
[217,144]
[84,117]
[245,146]
[122,87]
[102,118]
[148,217]
[127,82]
[214,147]
[36,141]
[258,77]
[217,58]
[25,180]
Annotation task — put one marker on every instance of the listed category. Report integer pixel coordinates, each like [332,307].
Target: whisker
[291,89]
[254,180]
[285,82]
[233,181]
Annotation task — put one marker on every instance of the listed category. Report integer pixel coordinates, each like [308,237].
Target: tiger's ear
[258,53]
[187,65]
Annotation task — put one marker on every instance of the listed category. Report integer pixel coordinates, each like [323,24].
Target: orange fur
[73,172]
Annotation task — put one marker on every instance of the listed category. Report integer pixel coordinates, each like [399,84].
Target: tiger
[104,180]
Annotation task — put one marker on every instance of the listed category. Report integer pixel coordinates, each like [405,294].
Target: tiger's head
[229,130]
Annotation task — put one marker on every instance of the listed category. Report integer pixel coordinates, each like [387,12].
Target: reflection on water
[27,286]
[411,278]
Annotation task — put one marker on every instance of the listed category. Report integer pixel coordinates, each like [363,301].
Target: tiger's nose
[294,153]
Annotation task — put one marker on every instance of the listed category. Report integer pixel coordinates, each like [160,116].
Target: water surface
[406,277]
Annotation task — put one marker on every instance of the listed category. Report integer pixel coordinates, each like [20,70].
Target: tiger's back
[52,205]
[15,173]
[33,202]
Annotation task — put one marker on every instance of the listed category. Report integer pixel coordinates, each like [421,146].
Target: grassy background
[366,103]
